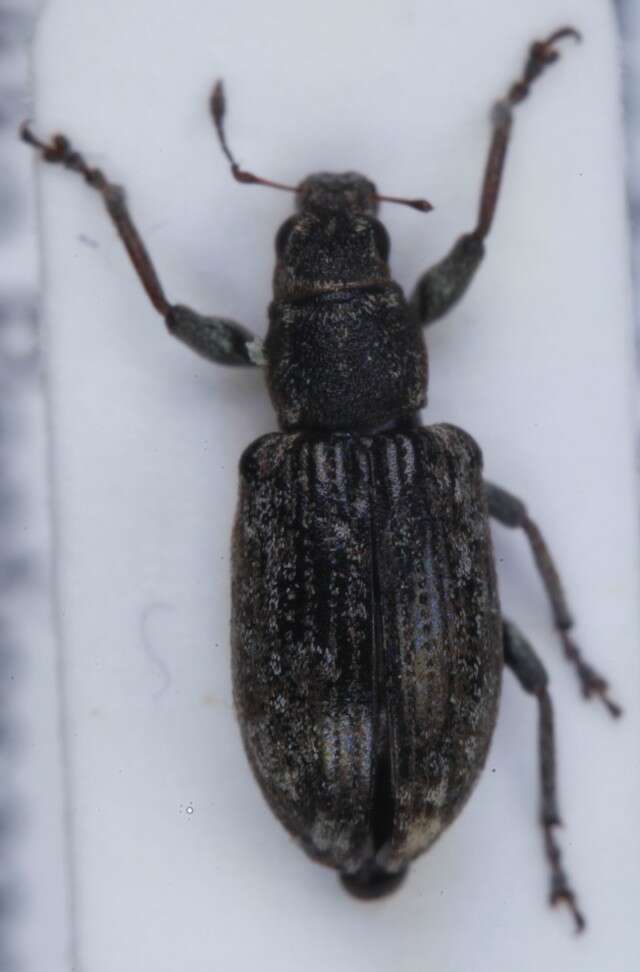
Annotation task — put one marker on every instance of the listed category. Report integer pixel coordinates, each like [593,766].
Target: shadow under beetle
[368,642]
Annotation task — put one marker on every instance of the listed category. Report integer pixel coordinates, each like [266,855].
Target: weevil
[367,638]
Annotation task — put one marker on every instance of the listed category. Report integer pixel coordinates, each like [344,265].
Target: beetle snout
[325,192]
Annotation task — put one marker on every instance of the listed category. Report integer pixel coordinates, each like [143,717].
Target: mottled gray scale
[342,545]
[410,610]
[350,360]
[441,627]
[302,638]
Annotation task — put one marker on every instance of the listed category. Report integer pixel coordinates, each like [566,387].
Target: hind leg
[528,669]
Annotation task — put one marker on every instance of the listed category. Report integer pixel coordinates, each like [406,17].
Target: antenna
[421,204]
[218,107]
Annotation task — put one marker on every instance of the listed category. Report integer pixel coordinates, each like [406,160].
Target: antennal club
[218,107]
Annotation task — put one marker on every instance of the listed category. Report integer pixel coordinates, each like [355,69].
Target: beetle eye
[382,242]
[283,234]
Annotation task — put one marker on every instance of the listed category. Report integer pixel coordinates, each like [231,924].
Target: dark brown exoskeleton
[368,642]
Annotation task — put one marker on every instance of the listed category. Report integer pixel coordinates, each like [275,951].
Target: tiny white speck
[255,351]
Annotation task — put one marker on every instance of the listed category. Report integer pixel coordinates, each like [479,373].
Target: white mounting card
[177,862]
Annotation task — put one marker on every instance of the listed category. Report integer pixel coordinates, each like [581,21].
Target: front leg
[445,283]
[216,338]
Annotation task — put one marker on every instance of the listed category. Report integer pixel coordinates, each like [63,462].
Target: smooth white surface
[178,862]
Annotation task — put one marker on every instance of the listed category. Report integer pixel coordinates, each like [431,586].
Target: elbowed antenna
[218,106]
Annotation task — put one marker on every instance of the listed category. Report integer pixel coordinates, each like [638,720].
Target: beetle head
[334,242]
[329,192]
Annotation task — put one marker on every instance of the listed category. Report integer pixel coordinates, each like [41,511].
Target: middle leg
[511,512]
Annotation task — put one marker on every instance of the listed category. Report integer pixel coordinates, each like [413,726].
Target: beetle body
[366,629]
[367,638]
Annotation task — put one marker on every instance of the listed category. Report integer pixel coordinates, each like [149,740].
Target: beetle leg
[511,512]
[445,283]
[216,338]
[528,669]
[541,54]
